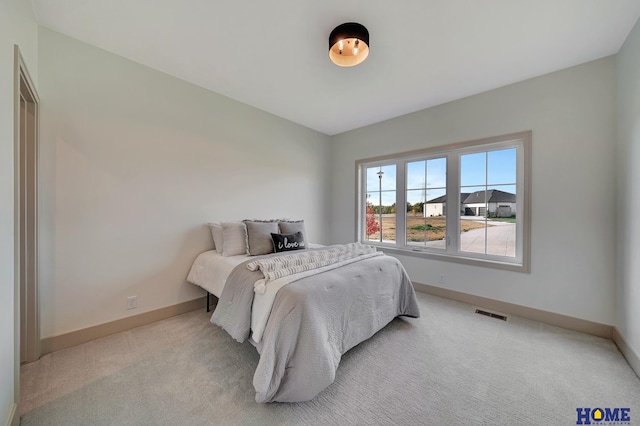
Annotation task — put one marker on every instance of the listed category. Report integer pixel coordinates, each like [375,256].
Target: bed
[210,271]
[303,318]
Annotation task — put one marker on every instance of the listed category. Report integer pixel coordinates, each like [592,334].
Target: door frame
[26,143]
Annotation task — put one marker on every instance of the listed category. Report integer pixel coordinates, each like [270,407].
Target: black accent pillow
[288,242]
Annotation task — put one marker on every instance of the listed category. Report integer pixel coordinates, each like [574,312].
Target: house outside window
[467,202]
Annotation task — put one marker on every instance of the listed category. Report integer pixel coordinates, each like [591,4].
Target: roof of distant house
[489,196]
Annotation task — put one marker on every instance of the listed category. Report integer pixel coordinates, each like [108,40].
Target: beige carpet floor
[449,367]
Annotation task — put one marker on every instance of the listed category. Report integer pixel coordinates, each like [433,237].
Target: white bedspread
[210,270]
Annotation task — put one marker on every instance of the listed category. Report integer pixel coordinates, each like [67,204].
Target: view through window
[464,201]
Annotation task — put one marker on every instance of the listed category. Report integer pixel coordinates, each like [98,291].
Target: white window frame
[452,152]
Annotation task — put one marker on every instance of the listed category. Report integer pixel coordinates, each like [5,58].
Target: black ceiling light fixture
[349,44]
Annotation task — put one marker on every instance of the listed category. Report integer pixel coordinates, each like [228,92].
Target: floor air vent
[491,314]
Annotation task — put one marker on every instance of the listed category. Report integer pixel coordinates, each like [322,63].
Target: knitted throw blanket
[295,263]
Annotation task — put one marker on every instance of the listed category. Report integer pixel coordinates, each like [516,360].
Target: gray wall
[572,116]
[17,26]
[628,190]
[134,163]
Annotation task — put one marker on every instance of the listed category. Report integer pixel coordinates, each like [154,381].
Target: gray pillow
[293,226]
[234,236]
[259,236]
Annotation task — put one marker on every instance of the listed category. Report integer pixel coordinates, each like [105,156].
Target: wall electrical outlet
[441,281]
[132,302]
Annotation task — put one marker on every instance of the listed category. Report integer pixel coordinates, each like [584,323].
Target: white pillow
[234,238]
[216,234]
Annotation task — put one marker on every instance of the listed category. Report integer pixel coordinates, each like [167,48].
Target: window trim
[453,254]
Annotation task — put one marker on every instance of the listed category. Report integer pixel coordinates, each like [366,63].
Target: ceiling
[273,55]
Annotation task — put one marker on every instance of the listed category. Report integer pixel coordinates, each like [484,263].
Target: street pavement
[500,239]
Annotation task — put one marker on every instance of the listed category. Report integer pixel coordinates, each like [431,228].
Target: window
[466,202]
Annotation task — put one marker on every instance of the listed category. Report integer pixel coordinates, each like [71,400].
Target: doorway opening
[26,211]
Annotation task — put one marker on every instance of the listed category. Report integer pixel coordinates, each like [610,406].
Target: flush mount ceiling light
[349,44]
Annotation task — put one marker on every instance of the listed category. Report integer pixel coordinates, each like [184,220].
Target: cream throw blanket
[274,268]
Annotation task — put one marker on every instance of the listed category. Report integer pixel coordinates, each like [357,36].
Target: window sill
[487,263]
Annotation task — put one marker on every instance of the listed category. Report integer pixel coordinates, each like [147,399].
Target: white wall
[134,163]
[572,116]
[628,190]
[17,26]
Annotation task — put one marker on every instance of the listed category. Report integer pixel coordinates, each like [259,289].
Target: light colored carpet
[449,367]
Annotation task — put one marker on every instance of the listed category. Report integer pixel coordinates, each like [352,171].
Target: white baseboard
[14,417]
[564,321]
[74,338]
[632,356]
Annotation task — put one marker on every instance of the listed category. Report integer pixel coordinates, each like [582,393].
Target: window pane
[416,174]
[501,167]
[388,220]
[436,203]
[473,169]
[381,178]
[426,222]
[436,221]
[415,217]
[415,198]
[372,179]
[473,222]
[489,222]
[388,179]
[372,220]
[501,230]
[426,190]
[380,209]
[437,173]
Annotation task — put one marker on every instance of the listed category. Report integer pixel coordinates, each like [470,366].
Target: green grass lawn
[504,219]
